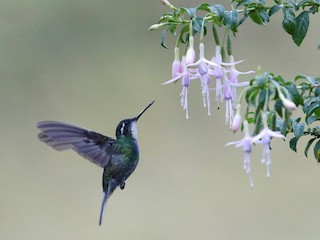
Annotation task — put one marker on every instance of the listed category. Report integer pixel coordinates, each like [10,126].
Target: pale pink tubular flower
[203,73]
[264,138]
[233,77]
[217,73]
[185,76]
[191,54]
[227,93]
[177,67]
[246,144]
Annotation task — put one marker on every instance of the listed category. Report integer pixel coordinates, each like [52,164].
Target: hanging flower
[246,144]
[264,138]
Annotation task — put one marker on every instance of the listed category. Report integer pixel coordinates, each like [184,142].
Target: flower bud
[166,3]
[236,123]
[156,26]
[288,104]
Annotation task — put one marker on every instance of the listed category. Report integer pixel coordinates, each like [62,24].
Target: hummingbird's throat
[134,130]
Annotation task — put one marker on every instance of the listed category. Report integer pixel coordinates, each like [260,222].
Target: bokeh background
[94,63]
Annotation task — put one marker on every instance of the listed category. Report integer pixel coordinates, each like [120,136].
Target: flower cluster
[223,74]
[264,138]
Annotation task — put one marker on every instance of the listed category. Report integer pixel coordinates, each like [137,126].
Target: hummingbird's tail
[103,207]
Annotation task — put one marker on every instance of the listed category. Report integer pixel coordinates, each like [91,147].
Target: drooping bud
[286,102]
[166,3]
[156,26]
[236,123]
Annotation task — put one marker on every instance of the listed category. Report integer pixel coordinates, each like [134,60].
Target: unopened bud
[156,26]
[236,123]
[288,104]
[166,3]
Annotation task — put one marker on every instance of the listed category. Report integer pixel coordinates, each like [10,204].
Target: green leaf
[251,95]
[296,97]
[257,121]
[190,11]
[308,146]
[243,2]
[272,120]
[203,7]
[293,143]
[287,114]
[309,79]
[312,108]
[196,26]
[312,119]
[278,107]
[309,102]
[163,35]
[298,129]
[217,10]
[316,151]
[262,98]
[274,9]
[282,127]
[231,20]
[303,2]
[260,17]
[301,28]
[261,80]
[289,21]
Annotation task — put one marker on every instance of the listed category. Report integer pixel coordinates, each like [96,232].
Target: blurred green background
[94,63]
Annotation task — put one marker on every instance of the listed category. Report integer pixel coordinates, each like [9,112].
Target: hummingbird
[118,157]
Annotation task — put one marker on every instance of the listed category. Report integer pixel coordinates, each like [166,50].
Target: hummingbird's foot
[122,185]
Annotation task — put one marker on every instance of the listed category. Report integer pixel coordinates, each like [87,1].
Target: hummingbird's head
[128,127]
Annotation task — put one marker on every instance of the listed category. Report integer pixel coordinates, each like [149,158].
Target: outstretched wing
[91,145]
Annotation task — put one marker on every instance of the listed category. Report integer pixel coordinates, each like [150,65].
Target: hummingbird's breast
[123,161]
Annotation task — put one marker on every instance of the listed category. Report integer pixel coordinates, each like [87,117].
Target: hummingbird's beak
[139,115]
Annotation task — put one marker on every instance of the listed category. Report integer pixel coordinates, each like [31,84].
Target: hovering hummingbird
[118,157]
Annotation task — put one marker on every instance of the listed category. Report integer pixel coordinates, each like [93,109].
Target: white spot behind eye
[122,128]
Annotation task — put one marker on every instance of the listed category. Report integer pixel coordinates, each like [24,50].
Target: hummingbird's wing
[61,136]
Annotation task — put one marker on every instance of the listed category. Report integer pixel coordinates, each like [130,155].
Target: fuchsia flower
[233,78]
[246,144]
[185,76]
[203,73]
[264,138]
